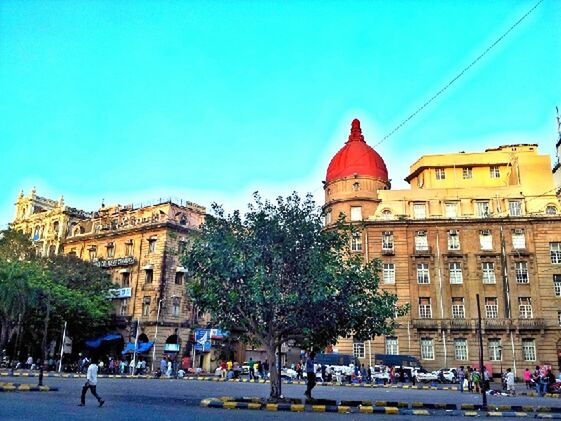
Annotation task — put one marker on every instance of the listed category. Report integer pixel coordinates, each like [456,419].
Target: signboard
[111,263]
[171,348]
[202,340]
[121,293]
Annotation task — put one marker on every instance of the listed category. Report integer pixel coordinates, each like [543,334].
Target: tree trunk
[4,333]
[45,331]
[275,375]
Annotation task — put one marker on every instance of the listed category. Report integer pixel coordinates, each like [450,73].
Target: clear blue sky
[211,100]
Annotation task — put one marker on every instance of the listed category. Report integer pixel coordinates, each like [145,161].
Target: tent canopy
[96,342]
[140,349]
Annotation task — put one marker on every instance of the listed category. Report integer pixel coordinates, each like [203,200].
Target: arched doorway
[143,338]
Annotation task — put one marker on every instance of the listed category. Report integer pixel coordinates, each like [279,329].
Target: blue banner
[202,340]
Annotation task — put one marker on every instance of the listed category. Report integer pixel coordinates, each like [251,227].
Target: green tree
[276,275]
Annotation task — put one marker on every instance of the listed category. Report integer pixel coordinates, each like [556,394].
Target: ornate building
[482,223]
[140,248]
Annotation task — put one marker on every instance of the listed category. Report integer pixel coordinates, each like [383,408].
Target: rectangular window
[178,278]
[460,349]
[521,270]
[455,269]
[392,347]
[559,317]
[125,279]
[421,241]
[557,285]
[129,247]
[483,210]
[515,208]
[149,276]
[387,241]
[356,213]
[328,218]
[427,349]
[491,308]
[486,240]
[358,349]
[495,350]
[423,276]
[555,252]
[356,242]
[425,310]
[151,245]
[467,173]
[124,308]
[93,252]
[529,349]
[175,306]
[458,308]
[419,211]
[488,271]
[111,250]
[453,240]
[451,210]
[181,246]
[388,272]
[495,172]
[440,173]
[146,306]
[525,307]
[518,239]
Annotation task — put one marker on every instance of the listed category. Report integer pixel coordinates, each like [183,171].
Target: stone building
[140,247]
[482,223]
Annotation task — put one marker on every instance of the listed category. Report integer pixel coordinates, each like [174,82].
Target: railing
[423,251]
[388,252]
[426,323]
[529,323]
[486,324]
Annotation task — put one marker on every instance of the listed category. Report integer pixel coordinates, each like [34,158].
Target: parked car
[449,375]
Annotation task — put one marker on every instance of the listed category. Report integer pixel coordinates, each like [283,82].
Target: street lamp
[156,332]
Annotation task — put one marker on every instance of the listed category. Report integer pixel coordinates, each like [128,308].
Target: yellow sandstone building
[471,223]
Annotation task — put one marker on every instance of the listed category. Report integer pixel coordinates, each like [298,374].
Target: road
[168,398]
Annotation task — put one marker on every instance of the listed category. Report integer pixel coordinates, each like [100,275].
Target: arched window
[551,210]
[387,214]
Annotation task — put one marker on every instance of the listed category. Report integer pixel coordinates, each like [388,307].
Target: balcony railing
[486,324]
[529,324]
[426,323]
[423,251]
[388,252]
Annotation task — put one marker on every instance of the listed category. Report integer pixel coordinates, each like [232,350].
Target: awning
[96,343]
[181,269]
[148,267]
[142,347]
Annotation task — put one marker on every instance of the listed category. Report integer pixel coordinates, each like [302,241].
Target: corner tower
[354,176]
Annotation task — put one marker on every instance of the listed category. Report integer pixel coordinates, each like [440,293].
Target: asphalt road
[179,399]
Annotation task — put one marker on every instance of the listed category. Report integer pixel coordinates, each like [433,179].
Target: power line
[459,75]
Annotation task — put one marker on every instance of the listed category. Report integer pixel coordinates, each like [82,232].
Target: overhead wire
[458,76]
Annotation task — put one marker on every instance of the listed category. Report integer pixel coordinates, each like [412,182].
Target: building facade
[481,224]
[140,247]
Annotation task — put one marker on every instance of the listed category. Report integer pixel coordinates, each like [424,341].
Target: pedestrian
[91,384]
[29,362]
[169,369]
[475,379]
[461,378]
[528,378]
[311,374]
[469,378]
[131,367]
[510,382]
[266,369]
[538,378]
[251,364]
[163,365]
[392,375]
[486,378]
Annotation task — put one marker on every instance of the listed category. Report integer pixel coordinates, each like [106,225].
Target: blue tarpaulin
[96,343]
[142,347]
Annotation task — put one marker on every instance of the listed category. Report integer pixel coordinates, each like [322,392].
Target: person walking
[510,382]
[461,378]
[311,374]
[251,364]
[91,384]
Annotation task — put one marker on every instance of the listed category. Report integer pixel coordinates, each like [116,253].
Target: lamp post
[500,349]
[156,332]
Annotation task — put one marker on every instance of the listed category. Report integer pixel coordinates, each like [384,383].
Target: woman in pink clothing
[528,378]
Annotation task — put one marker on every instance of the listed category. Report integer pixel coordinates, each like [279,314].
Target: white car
[449,374]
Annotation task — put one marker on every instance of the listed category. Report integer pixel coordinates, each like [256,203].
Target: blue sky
[208,101]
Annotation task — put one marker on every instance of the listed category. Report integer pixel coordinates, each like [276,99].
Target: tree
[278,276]
[44,292]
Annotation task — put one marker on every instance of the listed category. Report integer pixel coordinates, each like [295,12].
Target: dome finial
[356,132]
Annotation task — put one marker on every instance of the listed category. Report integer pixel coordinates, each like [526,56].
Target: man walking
[311,374]
[91,383]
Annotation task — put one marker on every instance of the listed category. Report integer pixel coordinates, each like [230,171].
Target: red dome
[356,157]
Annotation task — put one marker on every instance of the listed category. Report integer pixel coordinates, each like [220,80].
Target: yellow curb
[343,409]
[230,405]
[391,410]
[272,407]
[420,412]
[366,410]
[254,406]
[297,407]
[318,408]
[520,414]
[494,414]
[470,414]
[9,388]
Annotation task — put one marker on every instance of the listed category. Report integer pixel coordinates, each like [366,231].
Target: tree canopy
[38,293]
[277,275]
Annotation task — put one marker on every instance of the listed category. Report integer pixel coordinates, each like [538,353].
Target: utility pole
[481,366]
